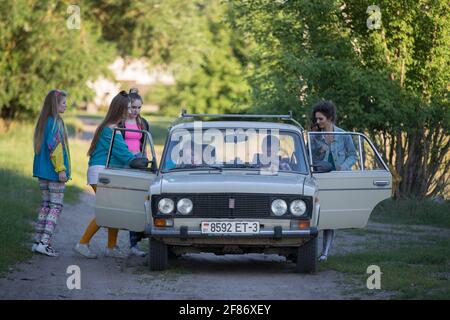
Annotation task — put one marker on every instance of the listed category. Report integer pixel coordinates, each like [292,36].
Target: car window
[253,149]
[120,148]
[369,159]
[343,151]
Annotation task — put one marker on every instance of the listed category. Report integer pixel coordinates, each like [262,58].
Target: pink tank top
[133,139]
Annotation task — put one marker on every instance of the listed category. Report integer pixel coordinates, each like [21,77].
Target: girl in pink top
[135,141]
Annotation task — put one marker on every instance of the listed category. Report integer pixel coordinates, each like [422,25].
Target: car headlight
[184,206]
[166,205]
[279,207]
[297,207]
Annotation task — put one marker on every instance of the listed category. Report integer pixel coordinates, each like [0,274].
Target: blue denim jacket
[342,150]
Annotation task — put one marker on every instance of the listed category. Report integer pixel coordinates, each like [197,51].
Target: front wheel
[307,257]
[157,255]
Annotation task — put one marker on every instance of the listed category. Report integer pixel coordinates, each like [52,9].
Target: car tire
[157,255]
[307,257]
[292,257]
[171,254]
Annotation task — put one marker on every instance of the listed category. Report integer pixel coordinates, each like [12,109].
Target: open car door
[359,179]
[121,192]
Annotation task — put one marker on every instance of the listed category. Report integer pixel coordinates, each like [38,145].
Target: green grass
[413,269]
[413,211]
[364,232]
[19,191]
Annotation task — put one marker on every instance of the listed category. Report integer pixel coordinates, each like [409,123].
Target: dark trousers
[135,237]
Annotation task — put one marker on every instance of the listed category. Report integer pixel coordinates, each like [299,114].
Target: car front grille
[217,205]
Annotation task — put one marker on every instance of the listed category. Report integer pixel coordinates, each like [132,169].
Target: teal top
[52,145]
[331,161]
[120,155]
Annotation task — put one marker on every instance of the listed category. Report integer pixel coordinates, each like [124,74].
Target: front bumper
[276,233]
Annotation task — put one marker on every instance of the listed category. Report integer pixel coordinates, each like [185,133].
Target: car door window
[369,159]
[115,159]
[343,151]
[340,150]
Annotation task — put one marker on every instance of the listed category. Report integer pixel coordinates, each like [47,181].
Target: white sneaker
[84,250]
[46,249]
[323,258]
[115,252]
[137,252]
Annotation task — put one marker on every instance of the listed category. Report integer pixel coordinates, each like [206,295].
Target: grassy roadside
[409,239]
[413,211]
[412,271]
[414,260]
[19,191]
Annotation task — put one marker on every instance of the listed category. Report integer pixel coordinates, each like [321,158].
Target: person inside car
[270,159]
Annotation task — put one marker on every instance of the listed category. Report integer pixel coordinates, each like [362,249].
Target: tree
[39,53]
[215,82]
[390,82]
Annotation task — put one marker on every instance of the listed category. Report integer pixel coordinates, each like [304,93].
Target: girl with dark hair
[337,149]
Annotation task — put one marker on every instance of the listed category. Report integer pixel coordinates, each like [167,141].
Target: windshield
[267,150]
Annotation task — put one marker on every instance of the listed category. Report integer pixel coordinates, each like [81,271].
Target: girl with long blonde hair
[51,166]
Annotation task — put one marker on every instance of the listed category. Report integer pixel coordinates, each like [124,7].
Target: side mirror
[322,167]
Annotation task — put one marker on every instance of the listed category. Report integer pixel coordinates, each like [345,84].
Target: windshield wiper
[241,166]
[197,166]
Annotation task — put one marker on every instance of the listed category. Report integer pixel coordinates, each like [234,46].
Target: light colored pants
[52,204]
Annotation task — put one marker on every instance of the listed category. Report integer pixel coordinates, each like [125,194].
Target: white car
[231,186]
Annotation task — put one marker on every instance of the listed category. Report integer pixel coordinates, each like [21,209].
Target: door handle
[380,183]
[104,180]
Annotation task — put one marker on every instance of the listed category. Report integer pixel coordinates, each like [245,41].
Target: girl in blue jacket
[52,168]
[98,154]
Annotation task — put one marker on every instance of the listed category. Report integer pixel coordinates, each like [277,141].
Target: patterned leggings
[52,204]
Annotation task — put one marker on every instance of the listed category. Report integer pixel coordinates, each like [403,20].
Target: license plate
[230,227]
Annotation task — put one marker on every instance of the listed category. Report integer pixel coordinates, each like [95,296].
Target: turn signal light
[303,224]
[161,222]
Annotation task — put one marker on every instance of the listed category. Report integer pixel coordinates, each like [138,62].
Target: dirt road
[196,276]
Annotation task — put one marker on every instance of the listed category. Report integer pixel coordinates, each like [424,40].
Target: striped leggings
[51,207]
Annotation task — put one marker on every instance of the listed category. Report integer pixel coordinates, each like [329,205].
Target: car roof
[237,124]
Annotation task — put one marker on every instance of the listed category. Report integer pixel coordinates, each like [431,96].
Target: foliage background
[255,56]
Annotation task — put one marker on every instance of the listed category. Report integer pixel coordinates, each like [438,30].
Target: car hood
[232,182]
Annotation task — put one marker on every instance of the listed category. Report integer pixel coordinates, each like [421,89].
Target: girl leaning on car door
[51,166]
[98,153]
[135,143]
[323,118]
